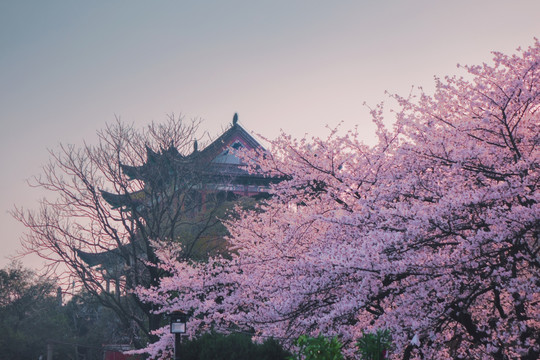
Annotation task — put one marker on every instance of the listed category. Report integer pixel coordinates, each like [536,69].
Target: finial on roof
[195,146]
[151,155]
[235,119]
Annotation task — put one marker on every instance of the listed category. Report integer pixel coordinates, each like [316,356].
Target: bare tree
[110,201]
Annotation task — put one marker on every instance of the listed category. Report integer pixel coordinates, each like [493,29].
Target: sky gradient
[69,67]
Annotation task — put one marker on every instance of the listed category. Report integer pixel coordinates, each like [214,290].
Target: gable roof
[235,133]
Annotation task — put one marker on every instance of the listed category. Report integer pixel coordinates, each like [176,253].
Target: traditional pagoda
[208,176]
[216,168]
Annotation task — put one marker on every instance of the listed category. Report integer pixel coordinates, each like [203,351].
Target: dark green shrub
[319,348]
[374,346]
[213,346]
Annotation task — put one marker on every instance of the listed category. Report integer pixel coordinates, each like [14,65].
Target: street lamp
[178,322]
[178,327]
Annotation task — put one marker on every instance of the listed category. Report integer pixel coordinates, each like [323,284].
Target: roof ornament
[235,119]
[151,155]
[195,146]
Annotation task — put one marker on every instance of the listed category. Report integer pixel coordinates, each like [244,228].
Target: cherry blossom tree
[432,234]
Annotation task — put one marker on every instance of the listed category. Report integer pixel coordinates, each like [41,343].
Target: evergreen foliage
[214,346]
[32,317]
[318,348]
[374,346]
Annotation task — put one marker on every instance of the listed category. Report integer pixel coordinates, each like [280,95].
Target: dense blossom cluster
[432,234]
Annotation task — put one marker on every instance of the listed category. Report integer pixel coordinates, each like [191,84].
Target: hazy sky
[68,67]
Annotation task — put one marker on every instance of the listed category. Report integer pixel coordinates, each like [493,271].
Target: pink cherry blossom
[433,233]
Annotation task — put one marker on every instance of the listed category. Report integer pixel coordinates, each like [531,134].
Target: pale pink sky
[66,68]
